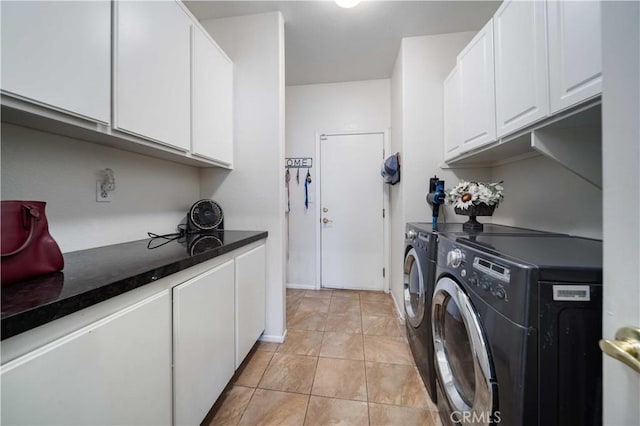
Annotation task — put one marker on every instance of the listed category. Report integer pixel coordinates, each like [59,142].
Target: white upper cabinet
[548,58]
[575,52]
[152,64]
[452,115]
[58,55]
[520,64]
[212,100]
[475,64]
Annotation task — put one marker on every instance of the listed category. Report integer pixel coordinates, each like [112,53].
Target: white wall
[419,72]
[621,183]
[151,194]
[427,62]
[396,194]
[252,195]
[323,108]
[543,195]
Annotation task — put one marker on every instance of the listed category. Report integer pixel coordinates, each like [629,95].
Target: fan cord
[182,232]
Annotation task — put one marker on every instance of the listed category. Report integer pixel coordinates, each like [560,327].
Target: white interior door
[621,181]
[351,209]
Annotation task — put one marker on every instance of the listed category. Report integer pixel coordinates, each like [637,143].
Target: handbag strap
[32,215]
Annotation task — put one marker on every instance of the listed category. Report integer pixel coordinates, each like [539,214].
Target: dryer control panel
[492,277]
[492,269]
[488,280]
[489,285]
[501,283]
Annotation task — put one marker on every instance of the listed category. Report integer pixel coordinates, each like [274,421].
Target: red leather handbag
[26,246]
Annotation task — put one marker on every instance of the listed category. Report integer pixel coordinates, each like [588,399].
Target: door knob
[325,220]
[625,348]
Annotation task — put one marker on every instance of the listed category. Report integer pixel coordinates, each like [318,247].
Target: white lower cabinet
[250,300]
[155,359]
[203,336]
[115,371]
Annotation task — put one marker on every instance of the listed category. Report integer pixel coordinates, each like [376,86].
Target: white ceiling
[326,43]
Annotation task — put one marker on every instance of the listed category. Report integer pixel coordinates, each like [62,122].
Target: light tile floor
[345,361]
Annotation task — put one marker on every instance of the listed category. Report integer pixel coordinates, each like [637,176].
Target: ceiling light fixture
[347,3]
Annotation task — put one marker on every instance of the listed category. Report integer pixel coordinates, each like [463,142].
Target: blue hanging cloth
[287,179]
[307,182]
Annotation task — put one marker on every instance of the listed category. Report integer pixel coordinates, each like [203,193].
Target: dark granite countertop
[92,276]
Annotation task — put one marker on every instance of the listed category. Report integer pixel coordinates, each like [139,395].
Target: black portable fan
[205,215]
[200,243]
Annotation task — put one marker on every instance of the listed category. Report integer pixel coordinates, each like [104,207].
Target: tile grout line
[324,396]
[315,371]
[316,368]
[364,355]
[265,370]
[337,399]
[394,337]
[244,411]
[255,388]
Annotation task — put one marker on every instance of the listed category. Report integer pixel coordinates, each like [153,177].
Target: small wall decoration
[298,162]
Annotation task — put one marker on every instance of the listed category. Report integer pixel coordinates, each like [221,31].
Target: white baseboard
[399,310]
[273,338]
[302,286]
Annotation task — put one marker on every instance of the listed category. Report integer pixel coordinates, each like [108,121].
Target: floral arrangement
[467,194]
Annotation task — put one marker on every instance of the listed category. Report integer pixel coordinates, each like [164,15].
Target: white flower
[466,194]
[485,196]
[465,200]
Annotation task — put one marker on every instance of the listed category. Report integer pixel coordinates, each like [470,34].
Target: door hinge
[383,272]
[383,213]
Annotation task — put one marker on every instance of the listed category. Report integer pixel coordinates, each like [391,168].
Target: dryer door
[463,363]
[414,300]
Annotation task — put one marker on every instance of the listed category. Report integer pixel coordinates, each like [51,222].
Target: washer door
[414,300]
[462,356]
